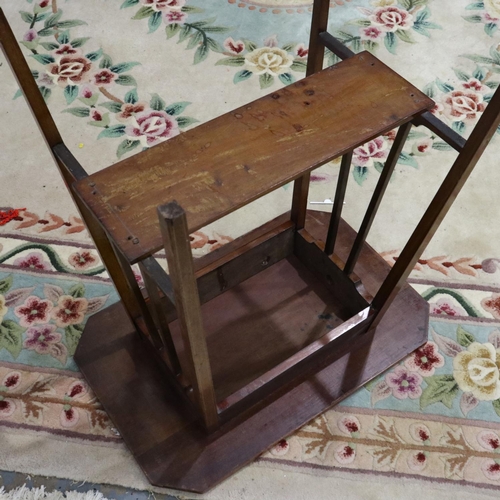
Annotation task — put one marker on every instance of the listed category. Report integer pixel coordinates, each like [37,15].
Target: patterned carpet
[120,76]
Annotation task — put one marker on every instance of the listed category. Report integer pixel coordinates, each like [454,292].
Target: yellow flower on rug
[476,370]
[492,7]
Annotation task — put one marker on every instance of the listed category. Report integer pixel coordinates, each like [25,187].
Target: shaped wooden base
[166,440]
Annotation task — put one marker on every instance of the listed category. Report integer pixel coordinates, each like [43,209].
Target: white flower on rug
[270,60]
[476,370]
[492,7]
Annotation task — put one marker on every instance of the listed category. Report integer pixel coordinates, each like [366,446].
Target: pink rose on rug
[69,310]
[83,260]
[164,4]
[345,454]
[152,127]
[425,360]
[7,408]
[103,78]
[33,260]
[41,338]
[33,311]
[370,33]
[70,70]
[174,17]
[392,18]
[404,383]
[463,105]
[374,150]
[492,305]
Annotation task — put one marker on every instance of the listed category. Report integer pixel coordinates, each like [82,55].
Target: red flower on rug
[83,260]
[404,383]
[417,460]
[33,311]
[349,424]
[7,408]
[425,360]
[12,380]
[280,448]
[103,78]
[42,338]
[492,305]
[33,260]
[69,416]
[345,454]
[69,310]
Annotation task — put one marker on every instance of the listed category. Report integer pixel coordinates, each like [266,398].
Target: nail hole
[372,64]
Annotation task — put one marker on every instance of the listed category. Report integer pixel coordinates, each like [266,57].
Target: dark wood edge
[224,254]
[299,357]
[72,165]
[335,46]
[311,254]
[433,123]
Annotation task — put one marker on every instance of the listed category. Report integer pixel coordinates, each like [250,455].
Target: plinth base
[165,438]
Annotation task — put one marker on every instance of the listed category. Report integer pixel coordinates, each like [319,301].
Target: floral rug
[123,75]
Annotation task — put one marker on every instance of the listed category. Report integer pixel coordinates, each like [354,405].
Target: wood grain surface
[236,158]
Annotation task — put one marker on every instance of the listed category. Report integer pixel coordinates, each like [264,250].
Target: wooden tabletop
[226,163]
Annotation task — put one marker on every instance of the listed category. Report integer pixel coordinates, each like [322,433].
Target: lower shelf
[165,439]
